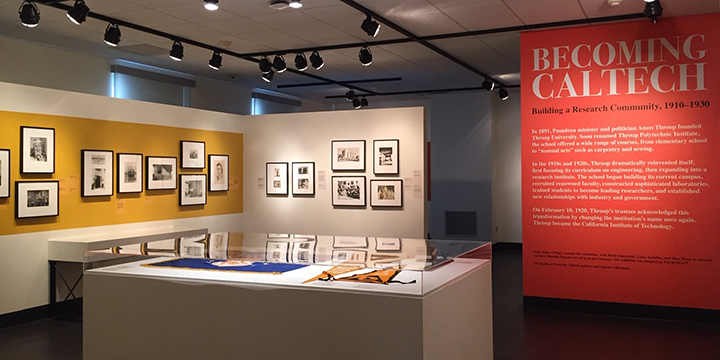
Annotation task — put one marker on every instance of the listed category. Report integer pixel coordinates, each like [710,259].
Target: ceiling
[251,26]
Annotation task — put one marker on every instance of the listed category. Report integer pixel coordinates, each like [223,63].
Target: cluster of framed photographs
[351,190]
[278,180]
[349,155]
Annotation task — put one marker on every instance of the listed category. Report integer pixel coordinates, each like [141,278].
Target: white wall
[506,174]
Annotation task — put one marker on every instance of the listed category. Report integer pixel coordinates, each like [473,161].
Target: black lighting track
[96,16]
[417,92]
[344,82]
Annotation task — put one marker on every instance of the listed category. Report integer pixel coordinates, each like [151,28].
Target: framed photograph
[192,190]
[386,159]
[218,245]
[193,246]
[348,155]
[301,236]
[303,179]
[278,236]
[4,173]
[349,256]
[161,173]
[303,252]
[276,178]
[348,191]
[97,172]
[387,244]
[350,242]
[276,251]
[37,150]
[219,172]
[192,154]
[387,193]
[36,199]
[129,173]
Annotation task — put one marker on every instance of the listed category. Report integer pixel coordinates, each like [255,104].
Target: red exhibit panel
[621,162]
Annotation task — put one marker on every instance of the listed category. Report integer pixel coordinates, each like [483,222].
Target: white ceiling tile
[112,7]
[150,18]
[417,16]
[476,15]
[689,7]
[600,8]
[154,4]
[535,12]
[196,14]
[506,44]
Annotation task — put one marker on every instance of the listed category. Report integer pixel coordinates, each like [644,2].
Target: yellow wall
[74,134]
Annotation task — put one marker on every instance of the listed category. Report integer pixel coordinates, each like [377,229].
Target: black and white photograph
[276,251]
[387,244]
[192,190]
[303,252]
[350,242]
[218,245]
[349,256]
[97,172]
[37,148]
[276,178]
[130,173]
[348,191]
[303,180]
[386,157]
[193,246]
[386,193]
[348,155]
[4,173]
[161,173]
[192,154]
[36,199]
[219,172]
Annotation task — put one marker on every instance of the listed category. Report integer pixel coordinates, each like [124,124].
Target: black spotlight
[216,61]
[350,95]
[177,51]
[112,35]
[503,94]
[370,26]
[78,13]
[211,5]
[265,65]
[279,64]
[301,62]
[316,61]
[488,85]
[356,103]
[268,77]
[365,56]
[29,15]
[653,10]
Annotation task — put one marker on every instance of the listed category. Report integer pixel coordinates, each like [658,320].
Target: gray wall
[507,183]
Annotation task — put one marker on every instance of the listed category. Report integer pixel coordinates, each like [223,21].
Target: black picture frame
[375,200]
[283,189]
[5,171]
[362,191]
[169,184]
[22,212]
[337,154]
[394,157]
[184,193]
[27,165]
[187,161]
[310,177]
[120,173]
[95,180]
[214,186]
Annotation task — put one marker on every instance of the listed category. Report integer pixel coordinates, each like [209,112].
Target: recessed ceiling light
[211,5]
[295,4]
[279,4]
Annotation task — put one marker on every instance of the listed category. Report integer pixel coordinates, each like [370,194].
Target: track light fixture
[316,61]
[653,10]
[365,56]
[78,13]
[112,35]
[488,85]
[301,62]
[359,102]
[295,4]
[279,64]
[503,93]
[216,61]
[177,51]
[350,95]
[370,26]
[29,15]
[268,77]
[265,65]
[211,5]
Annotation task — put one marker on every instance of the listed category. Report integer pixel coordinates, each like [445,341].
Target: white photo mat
[161,172]
[386,156]
[387,244]
[129,173]
[4,173]
[348,155]
[303,178]
[192,154]
[193,190]
[97,172]
[37,150]
[349,256]
[218,245]
[219,168]
[36,199]
[386,193]
[276,176]
[348,191]
[193,246]
[350,242]
[276,251]
[303,252]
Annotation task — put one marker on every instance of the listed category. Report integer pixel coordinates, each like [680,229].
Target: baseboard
[626,310]
[507,246]
[66,310]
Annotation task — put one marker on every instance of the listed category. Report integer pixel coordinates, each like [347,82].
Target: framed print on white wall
[129,173]
[192,154]
[387,193]
[97,172]
[348,191]
[276,175]
[192,190]
[37,150]
[36,199]
[161,173]
[303,179]
[219,172]
[4,173]
[348,155]
[386,157]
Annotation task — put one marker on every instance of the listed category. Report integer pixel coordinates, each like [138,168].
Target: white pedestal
[128,315]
